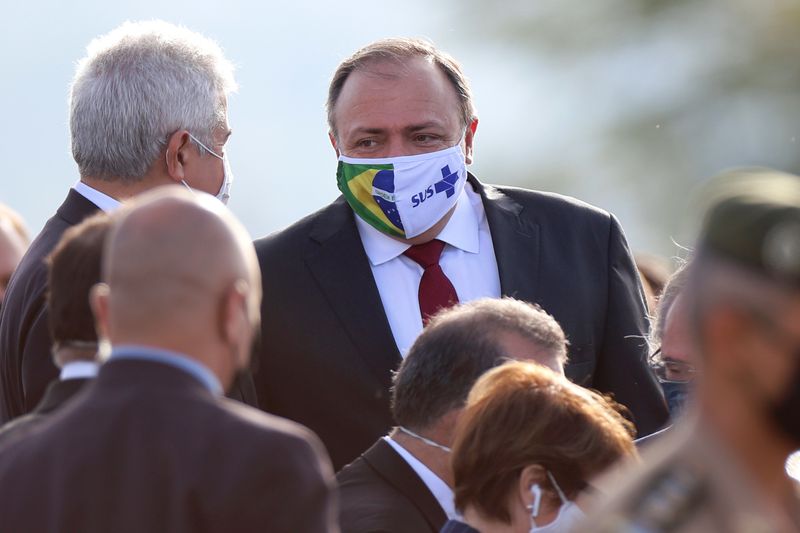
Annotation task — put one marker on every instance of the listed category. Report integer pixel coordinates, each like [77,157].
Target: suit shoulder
[273,431]
[368,503]
[18,428]
[358,479]
[554,203]
[296,234]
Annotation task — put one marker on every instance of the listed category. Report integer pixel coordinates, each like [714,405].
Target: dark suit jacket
[380,491]
[56,395]
[327,350]
[146,447]
[26,366]
[454,526]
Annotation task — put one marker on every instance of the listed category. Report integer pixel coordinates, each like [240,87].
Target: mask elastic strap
[429,442]
[558,489]
[212,152]
[461,140]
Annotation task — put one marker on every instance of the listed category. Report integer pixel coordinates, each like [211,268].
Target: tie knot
[426,255]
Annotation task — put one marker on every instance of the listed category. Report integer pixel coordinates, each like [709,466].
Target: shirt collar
[101,200]
[174,359]
[440,490]
[79,370]
[462,231]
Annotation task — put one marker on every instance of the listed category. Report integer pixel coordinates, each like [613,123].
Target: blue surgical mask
[224,193]
[676,394]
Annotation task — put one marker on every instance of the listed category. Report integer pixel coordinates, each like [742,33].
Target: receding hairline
[503,316]
[400,51]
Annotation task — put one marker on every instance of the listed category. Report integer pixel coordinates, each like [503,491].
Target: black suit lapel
[76,207]
[397,472]
[516,242]
[337,260]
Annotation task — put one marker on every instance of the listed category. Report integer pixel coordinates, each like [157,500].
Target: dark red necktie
[435,289]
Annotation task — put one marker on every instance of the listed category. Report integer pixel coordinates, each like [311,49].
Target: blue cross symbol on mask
[448,183]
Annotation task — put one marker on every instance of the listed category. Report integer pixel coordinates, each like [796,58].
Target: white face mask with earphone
[568,515]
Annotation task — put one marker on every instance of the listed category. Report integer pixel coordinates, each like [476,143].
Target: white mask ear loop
[558,489]
[212,152]
[463,136]
[429,442]
[536,492]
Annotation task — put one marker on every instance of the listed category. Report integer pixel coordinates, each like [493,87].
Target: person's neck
[122,190]
[201,350]
[760,450]
[68,354]
[437,460]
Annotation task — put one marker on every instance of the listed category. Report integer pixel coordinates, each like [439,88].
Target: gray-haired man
[148,107]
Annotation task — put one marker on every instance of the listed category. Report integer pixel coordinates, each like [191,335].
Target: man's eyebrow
[424,126]
[370,131]
[410,129]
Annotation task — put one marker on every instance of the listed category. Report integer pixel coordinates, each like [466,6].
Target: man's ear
[469,140]
[235,326]
[332,138]
[98,300]
[177,151]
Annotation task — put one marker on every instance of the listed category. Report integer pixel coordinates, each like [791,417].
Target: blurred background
[626,104]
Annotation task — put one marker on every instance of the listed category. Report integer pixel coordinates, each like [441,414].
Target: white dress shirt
[440,490]
[467,260]
[79,370]
[101,200]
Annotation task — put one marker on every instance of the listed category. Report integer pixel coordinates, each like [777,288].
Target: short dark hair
[457,347]
[399,50]
[73,268]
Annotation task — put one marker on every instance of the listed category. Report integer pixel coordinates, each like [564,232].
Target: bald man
[152,445]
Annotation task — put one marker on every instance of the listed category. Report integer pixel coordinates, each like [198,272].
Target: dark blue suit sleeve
[38,369]
[622,367]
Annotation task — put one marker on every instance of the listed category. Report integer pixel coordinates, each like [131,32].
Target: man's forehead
[383,72]
[394,84]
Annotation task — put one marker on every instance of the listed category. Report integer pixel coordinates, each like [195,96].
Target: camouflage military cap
[753,219]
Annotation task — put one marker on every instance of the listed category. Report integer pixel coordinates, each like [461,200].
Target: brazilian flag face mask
[403,196]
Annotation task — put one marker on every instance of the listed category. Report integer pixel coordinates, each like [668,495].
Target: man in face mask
[163,122]
[723,467]
[414,232]
[672,359]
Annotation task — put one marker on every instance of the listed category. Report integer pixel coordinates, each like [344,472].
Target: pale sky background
[532,112]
